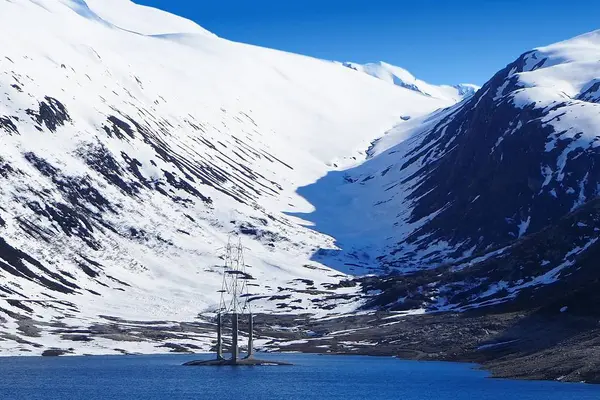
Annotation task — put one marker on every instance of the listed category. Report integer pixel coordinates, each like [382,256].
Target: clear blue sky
[440,41]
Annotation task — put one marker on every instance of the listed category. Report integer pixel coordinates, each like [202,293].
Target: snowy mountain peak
[401,77]
[466,89]
[558,72]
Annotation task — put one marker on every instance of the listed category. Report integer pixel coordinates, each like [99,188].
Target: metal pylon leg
[250,336]
[219,337]
[234,344]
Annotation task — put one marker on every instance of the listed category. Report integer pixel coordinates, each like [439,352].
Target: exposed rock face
[510,171]
[552,268]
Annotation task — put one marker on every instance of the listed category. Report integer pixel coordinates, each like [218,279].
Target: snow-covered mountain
[401,77]
[133,142]
[486,187]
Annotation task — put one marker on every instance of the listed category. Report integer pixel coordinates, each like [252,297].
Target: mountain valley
[366,199]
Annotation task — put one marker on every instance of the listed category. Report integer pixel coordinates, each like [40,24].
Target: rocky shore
[544,344]
[534,345]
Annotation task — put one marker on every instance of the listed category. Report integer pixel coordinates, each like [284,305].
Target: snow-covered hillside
[471,184]
[402,78]
[134,142]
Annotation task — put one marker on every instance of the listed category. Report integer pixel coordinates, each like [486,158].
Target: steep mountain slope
[401,77]
[134,142]
[464,184]
[487,217]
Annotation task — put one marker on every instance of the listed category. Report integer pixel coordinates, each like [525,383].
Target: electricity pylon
[234,299]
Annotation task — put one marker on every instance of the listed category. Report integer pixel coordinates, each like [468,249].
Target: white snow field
[133,142]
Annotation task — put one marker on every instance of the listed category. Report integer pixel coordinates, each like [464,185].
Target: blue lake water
[312,377]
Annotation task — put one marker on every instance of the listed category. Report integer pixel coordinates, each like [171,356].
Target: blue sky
[440,41]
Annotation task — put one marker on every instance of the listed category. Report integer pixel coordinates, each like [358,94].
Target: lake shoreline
[510,344]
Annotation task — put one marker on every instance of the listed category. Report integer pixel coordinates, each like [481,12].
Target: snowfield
[400,77]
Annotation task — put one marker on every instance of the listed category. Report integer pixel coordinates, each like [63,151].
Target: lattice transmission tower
[234,299]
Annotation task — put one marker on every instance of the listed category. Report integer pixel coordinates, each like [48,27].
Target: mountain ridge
[402,78]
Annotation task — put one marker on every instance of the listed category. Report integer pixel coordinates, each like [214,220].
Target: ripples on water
[312,377]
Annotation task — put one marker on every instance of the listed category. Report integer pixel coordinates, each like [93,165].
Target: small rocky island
[234,363]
